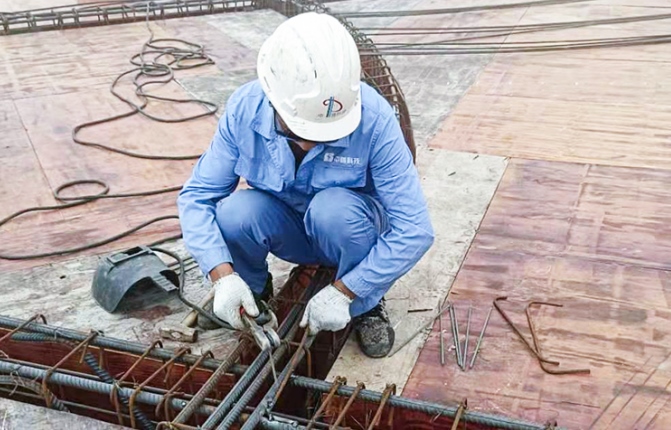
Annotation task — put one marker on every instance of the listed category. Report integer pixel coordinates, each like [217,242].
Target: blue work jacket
[374,160]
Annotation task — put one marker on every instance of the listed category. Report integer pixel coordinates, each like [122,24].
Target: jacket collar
[264,124]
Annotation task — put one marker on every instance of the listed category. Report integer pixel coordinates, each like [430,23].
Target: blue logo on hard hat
[333,106]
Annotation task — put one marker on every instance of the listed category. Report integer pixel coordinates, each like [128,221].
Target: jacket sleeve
[410,233]
[213,178]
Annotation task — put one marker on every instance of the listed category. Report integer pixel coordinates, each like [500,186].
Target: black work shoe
[207,324]
[374,332]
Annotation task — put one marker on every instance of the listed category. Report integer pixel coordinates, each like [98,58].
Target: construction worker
[332,183]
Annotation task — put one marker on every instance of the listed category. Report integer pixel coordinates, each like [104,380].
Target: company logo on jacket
[329,157]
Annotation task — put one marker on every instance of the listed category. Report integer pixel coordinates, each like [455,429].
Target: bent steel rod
[59,378]
[116,344]
[432,409]
[275,390]
[209,385]
[482,334]
[256,384]
[230,408]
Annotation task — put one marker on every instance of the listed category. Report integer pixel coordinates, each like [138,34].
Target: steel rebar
[431,321]
[13,392]
[388,391]
[209,385]
[534,337]
[396,13]
[115,344]
[482,334]
[338,382]
[343,412]
[84,16]
[51,401]
[91,385]
[457,342]
[270,398]
[462,407]
[518,332]
[286,424]
[432,409]
[92,362]
[242,392]
[468,332]
[442,341]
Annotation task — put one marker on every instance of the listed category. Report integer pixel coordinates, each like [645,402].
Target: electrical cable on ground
[156,63]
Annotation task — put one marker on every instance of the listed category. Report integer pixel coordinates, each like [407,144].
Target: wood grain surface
[595,239]
[602,106]
[53,81]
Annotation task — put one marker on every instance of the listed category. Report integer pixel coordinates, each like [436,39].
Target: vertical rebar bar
[455,333]
[468,332]
[482,334]
[442,340]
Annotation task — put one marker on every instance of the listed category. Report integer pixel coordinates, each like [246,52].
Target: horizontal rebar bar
[454,10]
[116,344]
[433,409]
[91,385]
[10,392]
[86,16]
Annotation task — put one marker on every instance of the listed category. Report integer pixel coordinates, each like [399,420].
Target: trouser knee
[342,225]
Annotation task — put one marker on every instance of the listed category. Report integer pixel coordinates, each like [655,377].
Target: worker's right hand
[230,294]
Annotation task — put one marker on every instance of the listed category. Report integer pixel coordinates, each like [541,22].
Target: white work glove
[231,293]
[328,310]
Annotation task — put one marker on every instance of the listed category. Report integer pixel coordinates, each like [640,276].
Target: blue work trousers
[338,229]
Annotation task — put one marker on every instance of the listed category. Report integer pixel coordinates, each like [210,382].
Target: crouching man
[332,183]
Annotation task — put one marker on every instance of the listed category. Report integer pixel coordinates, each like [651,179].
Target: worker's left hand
[328,310]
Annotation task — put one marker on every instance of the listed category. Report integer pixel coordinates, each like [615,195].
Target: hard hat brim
[325,131]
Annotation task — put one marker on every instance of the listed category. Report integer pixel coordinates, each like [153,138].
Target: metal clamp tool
[263,329]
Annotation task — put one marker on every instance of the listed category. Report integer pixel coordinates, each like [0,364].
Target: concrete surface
[22,416]
[458,187]
[62,293]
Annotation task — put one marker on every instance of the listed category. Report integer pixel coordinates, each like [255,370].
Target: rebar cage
[375,70]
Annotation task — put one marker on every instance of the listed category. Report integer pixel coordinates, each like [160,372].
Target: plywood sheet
[49,122]
[458,188]
[228,53]
[602,106]
[57,62]
[38,125]
[640,406]
[20,167]
[593,239]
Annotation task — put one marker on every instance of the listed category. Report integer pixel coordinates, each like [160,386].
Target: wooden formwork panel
[595,239]
[604,106]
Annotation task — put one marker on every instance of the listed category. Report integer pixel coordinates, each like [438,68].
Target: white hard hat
[310,70]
